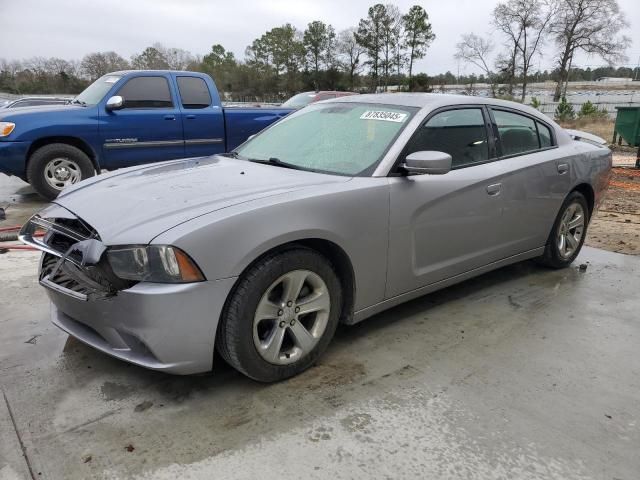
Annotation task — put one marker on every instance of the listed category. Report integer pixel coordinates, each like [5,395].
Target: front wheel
[55,166]
[568,233]
[281,316]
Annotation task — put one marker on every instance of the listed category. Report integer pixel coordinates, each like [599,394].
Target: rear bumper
[13,157]
[163,327]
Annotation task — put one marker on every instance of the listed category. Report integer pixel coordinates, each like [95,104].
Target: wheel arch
[68,140]
[335,254]
[587,191]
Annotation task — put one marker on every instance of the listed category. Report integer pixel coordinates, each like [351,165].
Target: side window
[194,92]
[545,135]
[146,92]
[518,134]
[460,133]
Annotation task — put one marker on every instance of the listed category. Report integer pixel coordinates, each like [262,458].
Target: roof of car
[431,100]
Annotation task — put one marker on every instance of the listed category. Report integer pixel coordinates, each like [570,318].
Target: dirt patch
[329,376]
[616,226]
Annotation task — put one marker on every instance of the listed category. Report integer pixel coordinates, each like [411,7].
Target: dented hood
[137,204]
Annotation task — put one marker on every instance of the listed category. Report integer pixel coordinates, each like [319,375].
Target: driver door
[147,129]
[445,225]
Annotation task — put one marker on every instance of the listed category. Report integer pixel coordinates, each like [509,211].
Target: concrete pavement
[521,373]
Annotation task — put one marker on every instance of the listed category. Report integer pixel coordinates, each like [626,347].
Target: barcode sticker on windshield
[384,116]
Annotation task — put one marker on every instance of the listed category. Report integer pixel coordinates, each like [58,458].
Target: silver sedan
[341,210]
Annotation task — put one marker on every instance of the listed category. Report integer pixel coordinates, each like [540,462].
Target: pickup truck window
[146,92]
[194,92]
[97,90]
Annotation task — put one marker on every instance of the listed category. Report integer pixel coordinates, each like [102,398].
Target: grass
[601,127]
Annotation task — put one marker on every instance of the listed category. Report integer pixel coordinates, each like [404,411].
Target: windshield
[340,138]
[300,100]
[97,90]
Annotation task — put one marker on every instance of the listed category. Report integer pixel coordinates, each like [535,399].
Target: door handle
[494,190]
[563,168]
[190,117]
[169,117]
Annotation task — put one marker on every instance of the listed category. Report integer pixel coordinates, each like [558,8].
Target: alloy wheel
[571,230]
[291,317]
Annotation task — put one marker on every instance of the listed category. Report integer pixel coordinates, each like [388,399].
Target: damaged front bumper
[168,327]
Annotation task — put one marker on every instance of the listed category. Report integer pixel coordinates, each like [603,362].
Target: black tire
[235,341]
[552,257]
[38,161]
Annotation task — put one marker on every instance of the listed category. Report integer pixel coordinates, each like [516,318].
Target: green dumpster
[628,127]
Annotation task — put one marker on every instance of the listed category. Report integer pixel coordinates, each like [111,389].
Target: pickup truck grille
[67,265]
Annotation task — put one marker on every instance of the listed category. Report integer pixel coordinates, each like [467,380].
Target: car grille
[63,267]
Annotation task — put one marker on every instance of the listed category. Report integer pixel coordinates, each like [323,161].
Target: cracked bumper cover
[167,327]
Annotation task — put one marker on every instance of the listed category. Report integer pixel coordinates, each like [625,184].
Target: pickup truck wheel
[281,316]
[56,166]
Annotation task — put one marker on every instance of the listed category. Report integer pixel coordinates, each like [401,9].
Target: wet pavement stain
[112,391]
[141,407]
[357,422]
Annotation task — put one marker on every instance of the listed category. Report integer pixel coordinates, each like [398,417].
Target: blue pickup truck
[123,119]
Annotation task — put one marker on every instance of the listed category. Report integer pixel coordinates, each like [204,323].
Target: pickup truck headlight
[153,263]
[6,128]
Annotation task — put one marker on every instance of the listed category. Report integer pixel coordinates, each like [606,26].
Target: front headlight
[6,128]
[153,263]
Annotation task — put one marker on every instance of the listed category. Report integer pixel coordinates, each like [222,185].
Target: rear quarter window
[544,132]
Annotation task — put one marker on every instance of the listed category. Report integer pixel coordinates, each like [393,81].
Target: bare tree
[524,22]
[95,65]
[505,19]
[175,58]
[350,53]
[475,50]
[591,26]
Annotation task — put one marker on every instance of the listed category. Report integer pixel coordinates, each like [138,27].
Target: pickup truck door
[202,117]
[147,129]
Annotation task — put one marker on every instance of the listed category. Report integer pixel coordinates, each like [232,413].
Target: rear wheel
[55,166]
[568,233]
[281,316]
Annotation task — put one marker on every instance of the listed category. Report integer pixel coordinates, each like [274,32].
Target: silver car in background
[337,212]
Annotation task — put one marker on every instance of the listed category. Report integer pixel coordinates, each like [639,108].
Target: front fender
[353,215]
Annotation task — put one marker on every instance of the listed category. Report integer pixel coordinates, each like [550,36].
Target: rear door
[147,129]
[202,118]
[537,179]
[445,225]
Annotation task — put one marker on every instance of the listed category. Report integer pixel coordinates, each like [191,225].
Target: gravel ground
[616,226]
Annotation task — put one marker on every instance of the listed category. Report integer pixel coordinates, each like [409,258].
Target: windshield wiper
[79,102]
[277,162]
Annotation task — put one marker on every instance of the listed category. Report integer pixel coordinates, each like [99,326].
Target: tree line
[526,27]
[380,51]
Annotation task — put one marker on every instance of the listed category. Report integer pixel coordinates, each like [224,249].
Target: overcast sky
[72,28]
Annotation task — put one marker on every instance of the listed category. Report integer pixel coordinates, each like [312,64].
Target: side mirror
[115,103]
[427,162]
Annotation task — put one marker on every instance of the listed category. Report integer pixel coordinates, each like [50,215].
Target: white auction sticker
[382,115]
